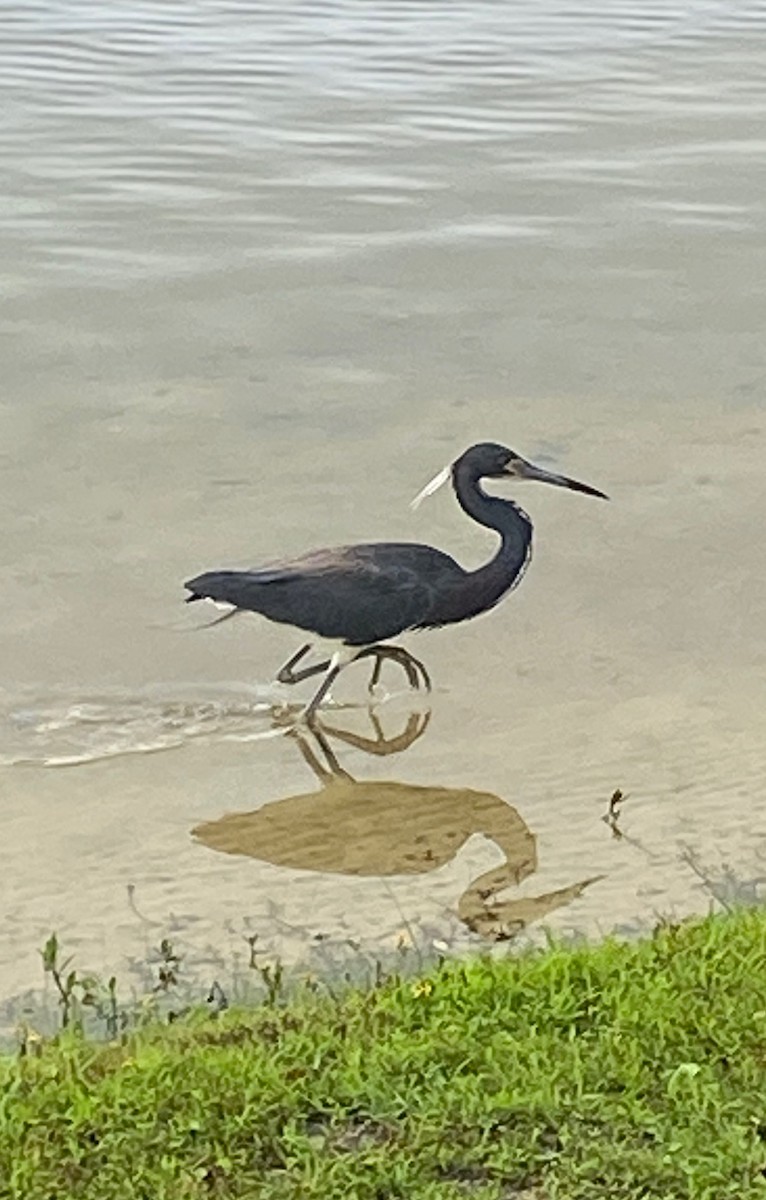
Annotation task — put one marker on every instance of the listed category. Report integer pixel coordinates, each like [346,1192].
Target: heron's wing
[358,594]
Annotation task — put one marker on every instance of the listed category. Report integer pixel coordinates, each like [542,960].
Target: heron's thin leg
[413,667]
[404,663]
[381,652]
[322,691]
[408,660]
[286,674]
[307,672]
[377,668]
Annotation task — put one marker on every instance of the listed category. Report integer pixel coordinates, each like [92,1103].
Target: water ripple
[61,731]
[147,141]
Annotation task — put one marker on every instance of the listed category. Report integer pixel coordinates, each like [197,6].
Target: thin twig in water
[132,905]
[612,815]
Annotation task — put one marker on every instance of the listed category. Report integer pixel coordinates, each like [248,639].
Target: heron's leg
[323,689]
[385,652]
[377,668]
[381,653]
[286,674]
[421,666]
[413,667]
[307,672]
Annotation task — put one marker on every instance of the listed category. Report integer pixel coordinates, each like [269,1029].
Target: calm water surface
[265,269]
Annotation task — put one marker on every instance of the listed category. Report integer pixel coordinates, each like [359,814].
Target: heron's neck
[509,521]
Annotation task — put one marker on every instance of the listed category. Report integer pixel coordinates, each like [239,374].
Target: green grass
[609,1071]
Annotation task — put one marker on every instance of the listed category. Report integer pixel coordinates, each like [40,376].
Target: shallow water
[264,272]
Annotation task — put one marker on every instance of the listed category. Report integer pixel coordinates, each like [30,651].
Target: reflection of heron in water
[383,828]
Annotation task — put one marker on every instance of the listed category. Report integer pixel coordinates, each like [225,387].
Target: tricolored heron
[360,597]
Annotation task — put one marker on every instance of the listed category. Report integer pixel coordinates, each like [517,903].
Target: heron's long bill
[530,471]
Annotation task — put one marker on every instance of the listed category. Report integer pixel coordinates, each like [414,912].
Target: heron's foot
[414,669]
[288,674]
[284,716]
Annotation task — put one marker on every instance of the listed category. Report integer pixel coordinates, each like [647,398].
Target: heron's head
[489,460]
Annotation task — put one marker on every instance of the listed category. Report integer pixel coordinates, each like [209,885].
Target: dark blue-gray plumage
[364,595]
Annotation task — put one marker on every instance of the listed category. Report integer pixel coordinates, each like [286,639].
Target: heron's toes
[375,676]
[411,667]
[416,673]
[412,675]
[424,675]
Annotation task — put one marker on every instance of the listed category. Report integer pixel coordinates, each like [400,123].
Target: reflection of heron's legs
[322,772]
[413,667]
[318,729]
[417,723]
[335,767]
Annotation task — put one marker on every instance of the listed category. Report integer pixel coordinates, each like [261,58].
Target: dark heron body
[363,596]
